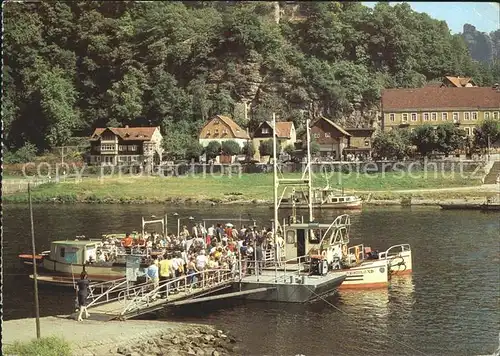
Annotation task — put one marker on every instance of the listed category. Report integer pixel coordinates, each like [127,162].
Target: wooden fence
[21,185]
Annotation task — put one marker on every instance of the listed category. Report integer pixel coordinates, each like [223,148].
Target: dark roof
[440,98]
[127,133]
[330,122]
[283,128]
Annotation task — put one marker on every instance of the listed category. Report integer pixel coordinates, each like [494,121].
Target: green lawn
[247,187]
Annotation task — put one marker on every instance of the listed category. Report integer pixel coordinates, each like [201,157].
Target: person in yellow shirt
[165,272]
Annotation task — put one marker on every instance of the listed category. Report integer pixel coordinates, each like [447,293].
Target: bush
[231,148]
[213,149]
[46,346]
[248,150]
[25,154]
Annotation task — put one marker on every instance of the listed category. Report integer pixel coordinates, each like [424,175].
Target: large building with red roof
[463,106]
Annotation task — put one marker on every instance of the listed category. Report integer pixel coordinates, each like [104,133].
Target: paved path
[476,188]
[88,335]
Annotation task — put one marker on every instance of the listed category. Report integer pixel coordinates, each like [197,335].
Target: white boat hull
[96,273]
[401,263]
[367,275]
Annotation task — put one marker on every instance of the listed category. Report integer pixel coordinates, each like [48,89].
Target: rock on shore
[193,341]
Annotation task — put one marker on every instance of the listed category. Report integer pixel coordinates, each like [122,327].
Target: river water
[449,306]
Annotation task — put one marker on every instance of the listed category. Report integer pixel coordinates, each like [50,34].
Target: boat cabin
[74,252]
[305,238]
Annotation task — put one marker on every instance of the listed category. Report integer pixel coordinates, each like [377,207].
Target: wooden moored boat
[325,198]
[27,258]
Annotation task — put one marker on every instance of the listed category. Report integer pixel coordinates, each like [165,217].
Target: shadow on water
[448,306]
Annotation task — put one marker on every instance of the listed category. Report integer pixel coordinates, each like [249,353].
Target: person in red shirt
[127,242]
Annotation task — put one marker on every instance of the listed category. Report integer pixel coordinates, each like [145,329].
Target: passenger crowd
[216,248]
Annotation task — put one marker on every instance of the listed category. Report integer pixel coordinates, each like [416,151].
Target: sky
[485,16]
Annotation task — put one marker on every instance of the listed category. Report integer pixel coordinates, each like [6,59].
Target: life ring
[356,253]
[344,250]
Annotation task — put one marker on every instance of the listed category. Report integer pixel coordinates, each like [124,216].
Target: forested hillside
[72,66]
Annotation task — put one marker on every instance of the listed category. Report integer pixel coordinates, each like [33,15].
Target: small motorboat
[27,259]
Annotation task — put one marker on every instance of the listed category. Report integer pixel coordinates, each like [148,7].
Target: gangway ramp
[124,301]
[221,296]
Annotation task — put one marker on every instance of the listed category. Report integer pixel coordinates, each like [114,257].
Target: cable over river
[448,306]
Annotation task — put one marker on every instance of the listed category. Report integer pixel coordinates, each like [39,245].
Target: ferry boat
[325,248]
[66,259]
[324,198]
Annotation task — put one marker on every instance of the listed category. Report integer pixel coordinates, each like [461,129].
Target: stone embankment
[126,338]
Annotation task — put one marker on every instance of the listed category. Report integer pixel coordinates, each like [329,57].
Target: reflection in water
[448,306]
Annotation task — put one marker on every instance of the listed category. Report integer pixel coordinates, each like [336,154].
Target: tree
[425,138]
[71,67]
[315,148]
[449,138]
[213,149]
[289,150]
[230,148]
[489,128]
[266,148]
[394,144]
[194,150]
[248,150]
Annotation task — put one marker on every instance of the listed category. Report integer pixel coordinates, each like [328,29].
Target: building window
[327,134]
[224,131]
[426,116]
[134,158]
[474,115]
[392,117]
[265,130]
[122,158]
[216,131]
[216,122]
[414,116]
[315,135]
[466,115]
[106,147]
[404,117]
[467,131]
[208,132]
[367,143]
[434,116]
[122,148]
[444,116]
[495,115]
[486,115]
[455,117]
[132,148]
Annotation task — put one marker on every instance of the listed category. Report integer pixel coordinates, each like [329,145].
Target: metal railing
[204,280]
[108,295]
[395,250]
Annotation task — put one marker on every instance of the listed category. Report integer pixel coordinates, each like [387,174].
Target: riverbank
[131,337]
[248,188]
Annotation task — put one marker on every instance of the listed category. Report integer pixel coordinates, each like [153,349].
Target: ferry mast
[306,178]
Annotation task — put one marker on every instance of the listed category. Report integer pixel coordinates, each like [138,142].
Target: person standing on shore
[83,292]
